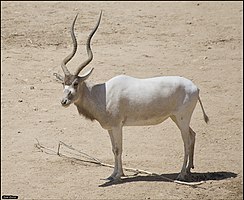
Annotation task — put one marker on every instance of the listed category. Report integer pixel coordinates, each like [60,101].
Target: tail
[206,119]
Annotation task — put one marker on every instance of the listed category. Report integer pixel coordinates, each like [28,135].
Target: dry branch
[93,160]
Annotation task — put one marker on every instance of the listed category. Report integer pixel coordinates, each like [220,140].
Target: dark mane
[85,113]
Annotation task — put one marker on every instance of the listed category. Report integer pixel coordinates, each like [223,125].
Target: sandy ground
[201,41]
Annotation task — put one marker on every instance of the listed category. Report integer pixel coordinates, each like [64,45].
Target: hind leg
[183,124]
[191,153]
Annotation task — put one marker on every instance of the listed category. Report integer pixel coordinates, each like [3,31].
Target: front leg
[116,139]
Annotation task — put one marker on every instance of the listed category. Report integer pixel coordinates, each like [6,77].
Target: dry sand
[201,41]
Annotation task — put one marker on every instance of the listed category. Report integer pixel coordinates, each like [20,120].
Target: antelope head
[72,82]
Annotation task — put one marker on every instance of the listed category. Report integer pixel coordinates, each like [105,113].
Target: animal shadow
[195,177]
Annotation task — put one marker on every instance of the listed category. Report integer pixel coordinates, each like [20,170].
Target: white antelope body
[127,101]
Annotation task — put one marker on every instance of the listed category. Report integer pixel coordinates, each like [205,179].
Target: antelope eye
[75,84]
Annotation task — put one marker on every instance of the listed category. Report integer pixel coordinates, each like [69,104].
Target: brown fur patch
[85,113]
[68,80]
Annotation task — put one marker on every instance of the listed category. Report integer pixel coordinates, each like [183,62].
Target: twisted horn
[70,56]
[88,47]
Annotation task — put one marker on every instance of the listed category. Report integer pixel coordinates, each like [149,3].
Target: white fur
[69,88]
[127,101]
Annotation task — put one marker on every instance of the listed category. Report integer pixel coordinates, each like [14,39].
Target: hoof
[114,178]
[110,178]
[188,170]
[181,177]
[185,177]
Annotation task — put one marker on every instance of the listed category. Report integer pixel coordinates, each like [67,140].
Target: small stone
[20,100]
[205,57]
[32,87]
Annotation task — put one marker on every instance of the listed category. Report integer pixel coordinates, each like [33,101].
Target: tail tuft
[206,119]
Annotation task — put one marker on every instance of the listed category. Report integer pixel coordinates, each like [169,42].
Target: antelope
[128,101]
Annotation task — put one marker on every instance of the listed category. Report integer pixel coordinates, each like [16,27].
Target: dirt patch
[201,41]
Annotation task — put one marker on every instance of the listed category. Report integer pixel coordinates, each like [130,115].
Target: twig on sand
[93,160]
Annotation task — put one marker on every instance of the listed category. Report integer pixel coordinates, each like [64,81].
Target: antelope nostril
[63,101]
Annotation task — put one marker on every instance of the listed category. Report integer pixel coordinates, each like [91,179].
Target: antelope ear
[86,75]
[59,77]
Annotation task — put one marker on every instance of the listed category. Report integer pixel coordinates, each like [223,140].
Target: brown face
[71,87]
[70,94]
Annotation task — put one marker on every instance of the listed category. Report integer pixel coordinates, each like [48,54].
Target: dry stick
[129,169]
[70,147]
[41,147]
[97,161]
